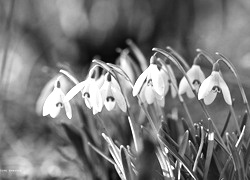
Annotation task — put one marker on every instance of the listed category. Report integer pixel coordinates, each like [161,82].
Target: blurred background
[39,37]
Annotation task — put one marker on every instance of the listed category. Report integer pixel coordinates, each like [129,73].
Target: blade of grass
[238,161]
[226,124]
[177,156]
[181,151]
[244,120]
[126,163]
[209,154]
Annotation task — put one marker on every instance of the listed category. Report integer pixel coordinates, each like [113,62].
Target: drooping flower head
[90,91]
[55,102]
[111,94]
[195,76]
[212,85]
[150,84]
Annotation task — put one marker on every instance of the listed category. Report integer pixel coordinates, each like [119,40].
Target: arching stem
[232,68]
[179,57]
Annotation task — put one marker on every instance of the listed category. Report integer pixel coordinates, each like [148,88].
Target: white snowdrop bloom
[196,77]
[55,102]
[212,85]
[111,94]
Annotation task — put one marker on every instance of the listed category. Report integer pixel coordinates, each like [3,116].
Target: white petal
[88,102]
[206,86]
[51,101]
[139,82]
[225,91]
[210,98]
[77,88]
[183,86]
[193,72]
[55,110]
[68,109]
[115,83]
[104,90]
[201,75]
[149,94]
[120,100]
[95,97]
[190,93]
[109,105]
[142,94]
[165,77]
[157,80]
[161,102]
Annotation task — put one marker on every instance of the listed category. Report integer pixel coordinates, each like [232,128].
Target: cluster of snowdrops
[110,86]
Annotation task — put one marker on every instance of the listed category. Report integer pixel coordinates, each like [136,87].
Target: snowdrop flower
[55,101]
[150,85]
[111,94]
[196,77]
[212,85]
[90,91]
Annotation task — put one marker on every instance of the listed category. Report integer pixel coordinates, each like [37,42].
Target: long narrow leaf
[177,156]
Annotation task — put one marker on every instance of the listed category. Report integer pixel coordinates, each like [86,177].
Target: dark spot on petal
[86,94]
[59,104]
[150,82]
[196,82]
[216,89]
[110,98]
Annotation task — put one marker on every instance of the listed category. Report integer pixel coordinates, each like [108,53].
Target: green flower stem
[103,125]
[235,119]
[101,153]
[207,56]
[142,105]
[178,65]
[232,68]
[68,75]
[179,57]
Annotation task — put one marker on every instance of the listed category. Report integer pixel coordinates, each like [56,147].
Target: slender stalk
[206,55]
[68,75]
[179,57]
[235,119]
[101,153]
[242,91]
